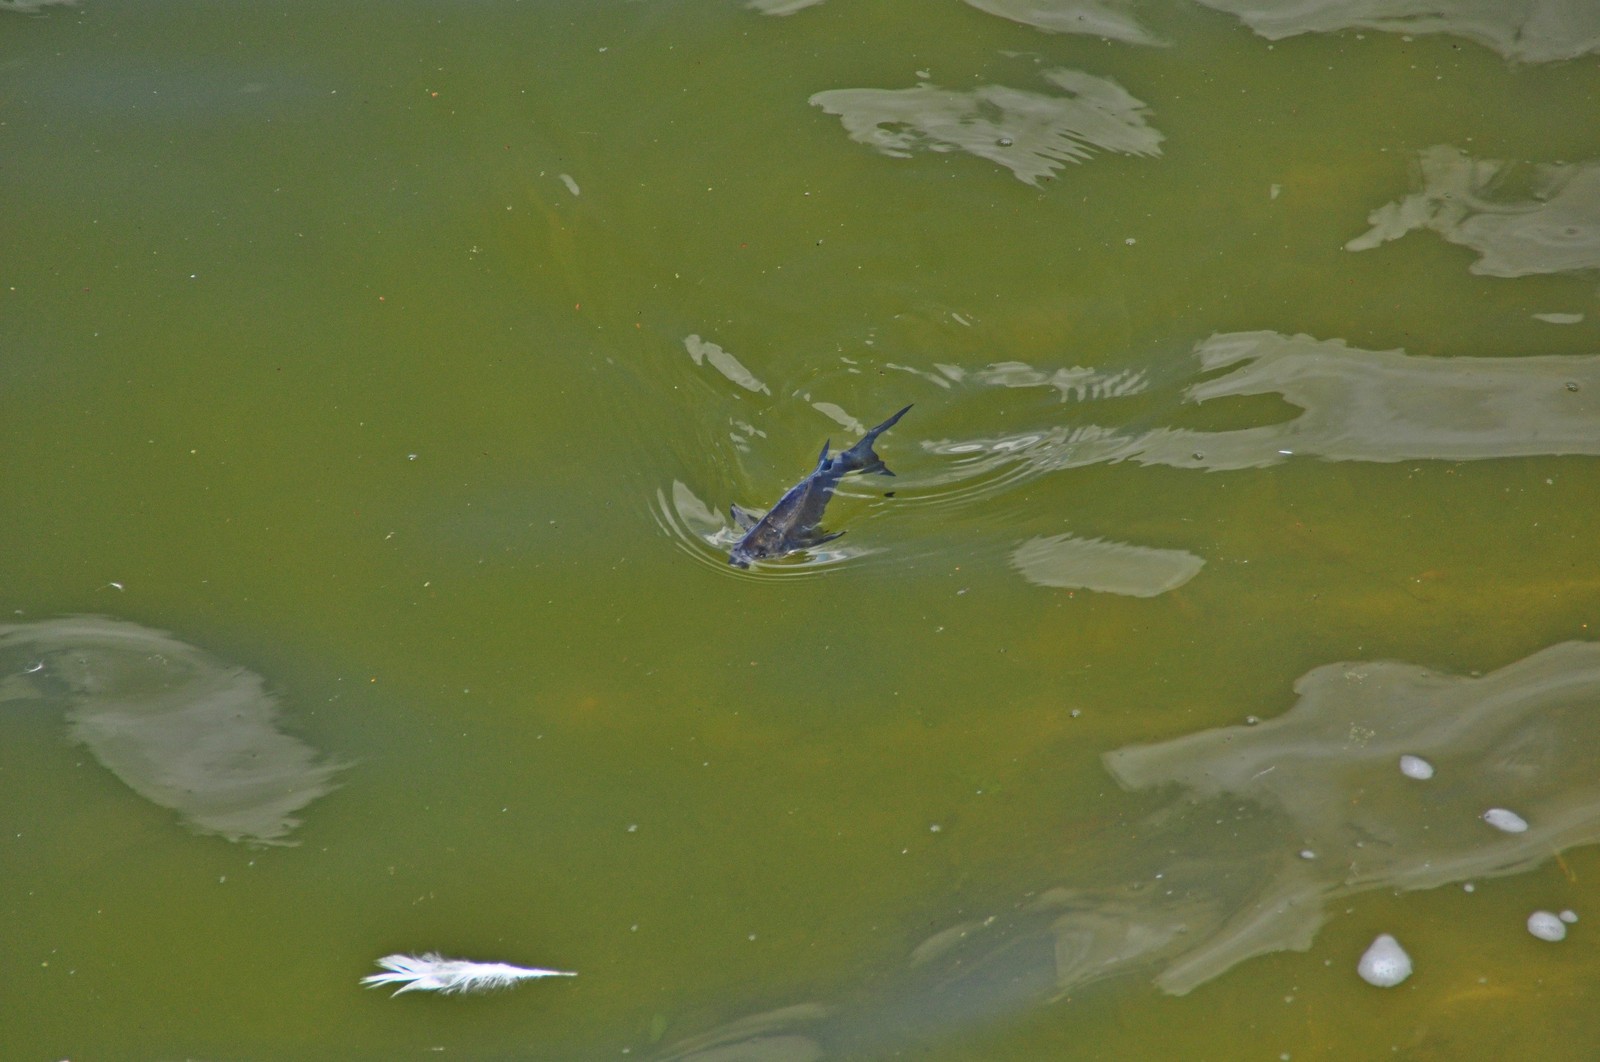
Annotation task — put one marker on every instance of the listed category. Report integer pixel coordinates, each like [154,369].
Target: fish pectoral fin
[744,518]
[817,538]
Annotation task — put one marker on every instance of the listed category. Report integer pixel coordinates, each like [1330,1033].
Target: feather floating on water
[434,973]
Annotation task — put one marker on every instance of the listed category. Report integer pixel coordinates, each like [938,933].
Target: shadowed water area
[376,386]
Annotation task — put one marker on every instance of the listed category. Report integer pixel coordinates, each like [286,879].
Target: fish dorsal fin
[817,537]
[822,460]
[743,517]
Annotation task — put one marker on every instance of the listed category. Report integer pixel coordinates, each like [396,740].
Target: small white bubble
[1568,916]
[1306,853]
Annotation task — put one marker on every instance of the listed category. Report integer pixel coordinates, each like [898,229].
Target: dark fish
[792,523]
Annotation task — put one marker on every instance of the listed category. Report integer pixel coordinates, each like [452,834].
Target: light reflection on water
[610,268]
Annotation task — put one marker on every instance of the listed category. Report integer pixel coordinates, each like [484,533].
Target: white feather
[434,973]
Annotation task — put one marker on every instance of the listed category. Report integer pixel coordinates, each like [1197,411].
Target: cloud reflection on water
[1030,133]
[1111,19]
[1356,405]
[703,350]
[1524,737]
[179,727]
[1266,825]
[32,7]
[1552,228]
[1109,567]
[780,7]
[1529,31]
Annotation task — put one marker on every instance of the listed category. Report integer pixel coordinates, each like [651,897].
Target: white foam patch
[1508,821]
[1416,767]
[1384,964]
[1547,926]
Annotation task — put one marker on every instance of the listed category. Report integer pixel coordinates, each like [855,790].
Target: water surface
[375,386]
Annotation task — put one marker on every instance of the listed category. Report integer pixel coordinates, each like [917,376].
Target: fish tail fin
[862,457]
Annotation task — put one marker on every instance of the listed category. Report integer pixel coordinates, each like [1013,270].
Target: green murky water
[381,377]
